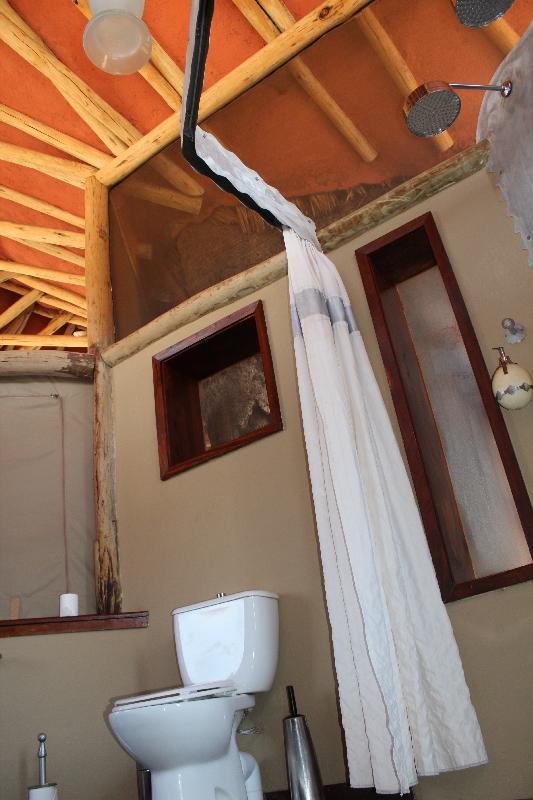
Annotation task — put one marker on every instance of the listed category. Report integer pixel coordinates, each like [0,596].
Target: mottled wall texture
[245,521]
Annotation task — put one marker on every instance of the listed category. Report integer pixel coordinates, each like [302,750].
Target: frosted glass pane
[491,523]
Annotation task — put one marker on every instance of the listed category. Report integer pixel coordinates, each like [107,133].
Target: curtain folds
[405,705]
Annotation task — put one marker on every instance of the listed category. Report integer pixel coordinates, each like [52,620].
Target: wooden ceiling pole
[502,35]
[266,28]
[164,82]
[18,324]
[54,302]
[60,276]
[34,233]
[273,55]
[58,139]
[51,327]
[36,340]
[73,298]
[395,64]
[18,307]
[53,250]
[41,206]
[71,172]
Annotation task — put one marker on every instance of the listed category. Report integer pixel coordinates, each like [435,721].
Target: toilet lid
[181,694]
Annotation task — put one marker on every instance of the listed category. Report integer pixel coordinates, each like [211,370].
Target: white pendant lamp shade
[116,39]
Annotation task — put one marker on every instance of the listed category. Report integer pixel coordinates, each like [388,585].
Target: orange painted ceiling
[274,128]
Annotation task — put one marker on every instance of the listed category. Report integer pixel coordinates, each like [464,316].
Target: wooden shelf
[88,622]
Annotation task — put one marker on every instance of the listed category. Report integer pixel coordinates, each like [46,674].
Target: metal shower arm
[504,89]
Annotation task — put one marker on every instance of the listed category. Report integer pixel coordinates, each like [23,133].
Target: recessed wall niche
[215,391]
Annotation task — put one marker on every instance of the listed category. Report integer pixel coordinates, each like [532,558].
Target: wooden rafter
[61,141]
[51,327]
[18,307]
[35,340]
[18,324]
[72,172]
[161,72]
[14,268]
[47,288]
[162,196]
[394,63]
[54,250]
[54,302]
[34,233]
[502,35]
[42,206]
[270,27]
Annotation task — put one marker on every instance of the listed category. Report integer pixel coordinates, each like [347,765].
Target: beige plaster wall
[245,520]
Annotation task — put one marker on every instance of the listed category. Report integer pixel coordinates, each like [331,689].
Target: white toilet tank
[232,637]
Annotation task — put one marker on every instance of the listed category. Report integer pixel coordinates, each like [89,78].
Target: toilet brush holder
[45,790]
[303,772]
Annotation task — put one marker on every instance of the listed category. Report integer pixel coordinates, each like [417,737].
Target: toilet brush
[44,791]
[302,766]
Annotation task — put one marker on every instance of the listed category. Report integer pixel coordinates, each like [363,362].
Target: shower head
[478,13]
[434,106]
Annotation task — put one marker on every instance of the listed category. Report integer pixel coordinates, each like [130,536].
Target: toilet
[227,650]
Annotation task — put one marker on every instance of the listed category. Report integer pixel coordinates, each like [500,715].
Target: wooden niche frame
[178,371]
[383,263]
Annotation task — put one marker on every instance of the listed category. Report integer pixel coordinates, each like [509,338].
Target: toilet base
[216,780]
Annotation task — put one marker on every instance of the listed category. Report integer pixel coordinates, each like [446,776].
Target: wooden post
[100,335]
[97,276]
[108,588]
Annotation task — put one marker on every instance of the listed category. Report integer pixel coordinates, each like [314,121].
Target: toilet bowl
[186,736]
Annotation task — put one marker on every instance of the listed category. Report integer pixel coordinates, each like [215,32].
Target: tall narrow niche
[474,504]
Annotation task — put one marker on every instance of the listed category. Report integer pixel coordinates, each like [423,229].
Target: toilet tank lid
[226,598]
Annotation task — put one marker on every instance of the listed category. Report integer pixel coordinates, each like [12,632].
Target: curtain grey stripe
[312,302]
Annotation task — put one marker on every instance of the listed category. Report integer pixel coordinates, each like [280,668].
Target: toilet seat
[181,694]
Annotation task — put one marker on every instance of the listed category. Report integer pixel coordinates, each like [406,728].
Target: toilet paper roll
[48,792]
[68,605]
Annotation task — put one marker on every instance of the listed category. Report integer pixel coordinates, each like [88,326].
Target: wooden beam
[502,35]
[34,340]
[395,64]
[18,324]
[63,305]
[44,133]
[283,20]
[17,308]
[14,268]
[235,288]
[46,363]
[54,250]
[51,327]
[72,172]
[98,287]
[55,302]
[34,233]
[73,298]
[273,55]
[42,206]
[162,196]
[167,87]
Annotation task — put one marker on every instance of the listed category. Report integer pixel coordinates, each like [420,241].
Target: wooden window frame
[450,588]
[165,397]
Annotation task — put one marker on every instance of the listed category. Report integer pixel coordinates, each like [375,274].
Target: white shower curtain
[405,706]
